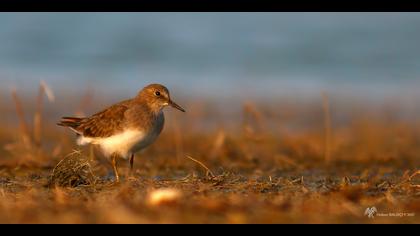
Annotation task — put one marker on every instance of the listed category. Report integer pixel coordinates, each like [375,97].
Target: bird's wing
[105,123]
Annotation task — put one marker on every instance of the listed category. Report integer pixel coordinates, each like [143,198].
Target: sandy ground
[297,164]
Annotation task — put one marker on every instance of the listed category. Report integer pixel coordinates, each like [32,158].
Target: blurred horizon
[220,55]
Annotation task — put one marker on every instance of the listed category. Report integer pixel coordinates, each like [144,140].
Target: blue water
[214,54]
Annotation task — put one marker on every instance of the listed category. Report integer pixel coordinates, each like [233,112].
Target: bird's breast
[151,133]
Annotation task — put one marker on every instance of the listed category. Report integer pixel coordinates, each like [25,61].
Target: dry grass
[274,164]
[74,170]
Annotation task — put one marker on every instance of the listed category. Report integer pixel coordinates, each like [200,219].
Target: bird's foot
[113,183]
[132,175]
[132,178]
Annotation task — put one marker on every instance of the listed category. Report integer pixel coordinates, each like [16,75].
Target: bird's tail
[71,122]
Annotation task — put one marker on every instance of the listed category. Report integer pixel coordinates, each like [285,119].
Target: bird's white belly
[127,142]
[123,144]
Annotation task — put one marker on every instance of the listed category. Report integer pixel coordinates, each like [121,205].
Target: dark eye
[157,93]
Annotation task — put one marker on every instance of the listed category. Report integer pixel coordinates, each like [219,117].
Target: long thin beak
[173,104]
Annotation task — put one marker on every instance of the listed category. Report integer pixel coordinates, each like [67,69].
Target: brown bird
[126,127]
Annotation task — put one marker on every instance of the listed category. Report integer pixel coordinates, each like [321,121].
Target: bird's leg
[91,153]
[131,162]
[114,166]
[131,174]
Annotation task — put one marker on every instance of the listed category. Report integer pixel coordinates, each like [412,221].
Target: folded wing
[100,125]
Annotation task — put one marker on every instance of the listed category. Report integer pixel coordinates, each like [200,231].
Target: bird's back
[103,124]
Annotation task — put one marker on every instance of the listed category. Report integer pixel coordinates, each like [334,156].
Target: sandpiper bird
[126,127]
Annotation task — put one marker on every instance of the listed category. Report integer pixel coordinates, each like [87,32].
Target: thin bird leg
[131,162]
[114,166]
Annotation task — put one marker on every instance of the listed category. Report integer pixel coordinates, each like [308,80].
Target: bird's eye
[157,93]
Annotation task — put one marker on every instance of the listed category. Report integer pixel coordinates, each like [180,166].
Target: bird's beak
[173,104]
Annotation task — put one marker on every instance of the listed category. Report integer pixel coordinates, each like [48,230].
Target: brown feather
[72,122]
[141,112]
[104,123]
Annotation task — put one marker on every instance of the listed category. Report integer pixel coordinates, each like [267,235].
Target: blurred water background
[217,55]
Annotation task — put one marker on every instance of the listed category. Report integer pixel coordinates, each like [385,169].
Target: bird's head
[157,97]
